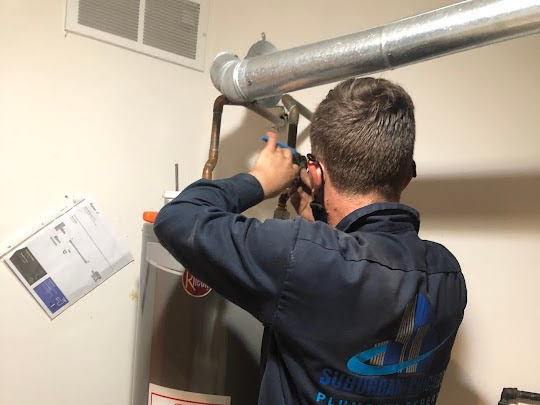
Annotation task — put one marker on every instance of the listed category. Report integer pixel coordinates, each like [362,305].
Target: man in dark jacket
[357,308]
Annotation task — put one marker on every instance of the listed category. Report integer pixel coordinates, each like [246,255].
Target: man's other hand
[274,168]
[301,196]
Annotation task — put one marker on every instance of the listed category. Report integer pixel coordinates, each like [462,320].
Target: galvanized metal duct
[451,29]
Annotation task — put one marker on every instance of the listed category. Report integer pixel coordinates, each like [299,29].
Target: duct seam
[384,54]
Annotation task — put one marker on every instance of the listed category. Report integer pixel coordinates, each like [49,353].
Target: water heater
[190,341]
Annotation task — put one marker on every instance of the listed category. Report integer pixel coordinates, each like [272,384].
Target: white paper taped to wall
[67,256]
[158,395]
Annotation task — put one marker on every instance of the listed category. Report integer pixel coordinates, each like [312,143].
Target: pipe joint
[224,73]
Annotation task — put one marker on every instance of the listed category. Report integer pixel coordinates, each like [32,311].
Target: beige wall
[78,115]
[117,121]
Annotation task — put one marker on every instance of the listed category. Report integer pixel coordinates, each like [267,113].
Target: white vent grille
[173,30]
[172,25]
[118,17]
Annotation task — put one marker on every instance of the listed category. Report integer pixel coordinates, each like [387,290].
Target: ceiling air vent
[172,30]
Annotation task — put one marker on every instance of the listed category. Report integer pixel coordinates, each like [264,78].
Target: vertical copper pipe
[289,102]
[213,152]
[292,132]
[281,211]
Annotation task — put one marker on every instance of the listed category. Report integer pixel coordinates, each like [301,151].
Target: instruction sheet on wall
[66,256]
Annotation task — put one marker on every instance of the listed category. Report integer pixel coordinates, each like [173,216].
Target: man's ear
[316,174]
[411,175]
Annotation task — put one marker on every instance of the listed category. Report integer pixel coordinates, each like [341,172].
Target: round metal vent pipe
[451,29]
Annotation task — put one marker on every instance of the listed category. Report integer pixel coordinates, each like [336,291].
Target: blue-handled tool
[297,158]
[280,144]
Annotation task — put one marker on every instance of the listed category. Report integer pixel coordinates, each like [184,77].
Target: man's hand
[301,196]
[274,168]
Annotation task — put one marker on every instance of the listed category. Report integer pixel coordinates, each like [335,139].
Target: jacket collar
[381,217]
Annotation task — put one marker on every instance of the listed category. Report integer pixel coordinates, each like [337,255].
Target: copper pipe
[219,103]
[213,152]
[294,116]
[289,102]
[281,211]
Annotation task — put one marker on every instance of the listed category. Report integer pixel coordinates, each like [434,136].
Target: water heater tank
[189,339]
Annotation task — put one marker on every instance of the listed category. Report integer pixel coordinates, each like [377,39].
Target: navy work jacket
[364,313]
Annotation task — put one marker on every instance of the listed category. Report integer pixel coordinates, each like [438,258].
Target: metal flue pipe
[448,30]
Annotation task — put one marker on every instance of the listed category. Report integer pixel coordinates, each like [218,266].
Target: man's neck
[339,205]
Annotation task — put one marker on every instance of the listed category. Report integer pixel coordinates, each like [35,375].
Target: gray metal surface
[263,47]
[451,29]
[205,345]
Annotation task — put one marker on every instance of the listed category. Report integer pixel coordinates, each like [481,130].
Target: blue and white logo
[409,352]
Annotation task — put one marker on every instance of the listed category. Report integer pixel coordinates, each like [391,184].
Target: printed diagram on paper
[67,257]
[158,395]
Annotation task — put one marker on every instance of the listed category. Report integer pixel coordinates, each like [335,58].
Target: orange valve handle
[149,216]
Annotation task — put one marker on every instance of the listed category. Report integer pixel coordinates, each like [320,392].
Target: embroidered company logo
[195,288]
[409,352]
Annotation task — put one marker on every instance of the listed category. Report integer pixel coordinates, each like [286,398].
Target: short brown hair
[364,132]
